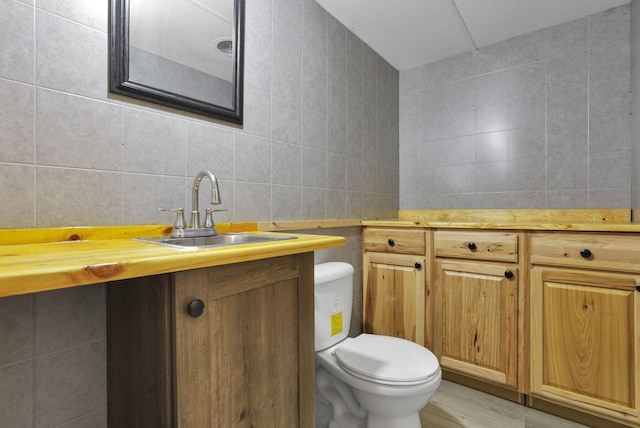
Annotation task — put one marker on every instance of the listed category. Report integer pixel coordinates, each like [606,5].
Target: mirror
[185,54]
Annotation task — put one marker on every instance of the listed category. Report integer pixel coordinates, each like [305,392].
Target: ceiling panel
[406,33]
[491,21]
[411,33]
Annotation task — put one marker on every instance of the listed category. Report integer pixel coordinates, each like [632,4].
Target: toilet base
[411,420]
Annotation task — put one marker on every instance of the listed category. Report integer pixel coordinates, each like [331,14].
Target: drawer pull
[418,265]
[508,274]
[586,253]
[195,308]
[391,242]
[472,246]
[638,287]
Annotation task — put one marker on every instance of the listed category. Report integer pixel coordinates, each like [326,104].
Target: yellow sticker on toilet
[336,323]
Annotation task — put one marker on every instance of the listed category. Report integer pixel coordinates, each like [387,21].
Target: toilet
[369,381]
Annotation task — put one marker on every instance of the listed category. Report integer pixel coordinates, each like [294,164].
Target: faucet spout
[215,195]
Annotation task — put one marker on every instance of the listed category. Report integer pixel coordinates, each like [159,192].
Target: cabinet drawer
[496,246]
[393,240]
[601,251]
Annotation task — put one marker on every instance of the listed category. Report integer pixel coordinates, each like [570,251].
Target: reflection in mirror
[182,53]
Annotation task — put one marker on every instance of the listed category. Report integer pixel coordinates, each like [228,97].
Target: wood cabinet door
[585,338]
[393,301]
[476,319]
[248,360]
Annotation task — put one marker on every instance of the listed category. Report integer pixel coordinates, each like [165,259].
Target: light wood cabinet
[246,360]
[585,323]
[393,301]
[553,315]
[476,304]
[394,281]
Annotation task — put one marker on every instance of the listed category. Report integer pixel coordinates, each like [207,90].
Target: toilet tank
[333,300]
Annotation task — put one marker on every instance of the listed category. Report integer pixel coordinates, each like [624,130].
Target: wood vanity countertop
[577,227]
[579,220]
[34,260]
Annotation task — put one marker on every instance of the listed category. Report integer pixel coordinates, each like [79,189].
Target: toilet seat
[387,360]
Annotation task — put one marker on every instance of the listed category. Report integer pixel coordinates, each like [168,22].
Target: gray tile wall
[635,108]
[538,121]
[53,359]
[320,141]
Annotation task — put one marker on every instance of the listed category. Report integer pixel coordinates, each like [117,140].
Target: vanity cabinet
[585,322]
[226,346]
[394,282]
[476,304]
[550,318]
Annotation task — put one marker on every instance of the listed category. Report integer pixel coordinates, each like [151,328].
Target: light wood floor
[456,406]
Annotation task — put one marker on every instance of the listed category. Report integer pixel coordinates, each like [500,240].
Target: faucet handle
[179,222]
[208,219]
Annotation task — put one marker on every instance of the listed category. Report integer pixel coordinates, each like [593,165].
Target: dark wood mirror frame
[119,68]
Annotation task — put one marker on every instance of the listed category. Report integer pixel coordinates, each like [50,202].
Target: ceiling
[411,33]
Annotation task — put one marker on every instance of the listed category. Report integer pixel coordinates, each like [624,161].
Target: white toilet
[369,381]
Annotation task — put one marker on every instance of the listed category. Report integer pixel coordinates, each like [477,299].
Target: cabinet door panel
[238,364]
[479,320]
[584,338]
[246,390]
[393,298]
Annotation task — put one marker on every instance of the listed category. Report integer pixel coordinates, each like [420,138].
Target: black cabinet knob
[195,308]
[638,287]
[418,265]
[472,246]
[585,252]
[391,242]
[508,274]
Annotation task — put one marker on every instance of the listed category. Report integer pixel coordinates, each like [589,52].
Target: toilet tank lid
[327,272]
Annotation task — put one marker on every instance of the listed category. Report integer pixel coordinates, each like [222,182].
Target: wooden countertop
[578,227]
[33,260]
[583,220]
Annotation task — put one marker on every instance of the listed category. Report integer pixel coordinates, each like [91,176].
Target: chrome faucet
[195,228]
[215,198]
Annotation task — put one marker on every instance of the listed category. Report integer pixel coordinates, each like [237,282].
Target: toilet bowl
[391,378]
